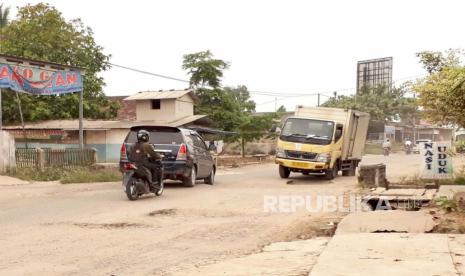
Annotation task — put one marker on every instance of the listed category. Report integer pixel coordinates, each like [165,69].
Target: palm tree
[4,12]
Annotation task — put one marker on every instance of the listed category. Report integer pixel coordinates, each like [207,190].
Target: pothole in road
[164,212]
[302,230]
[196,213]
[115,225]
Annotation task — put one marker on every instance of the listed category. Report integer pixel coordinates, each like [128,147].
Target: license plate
[299,164]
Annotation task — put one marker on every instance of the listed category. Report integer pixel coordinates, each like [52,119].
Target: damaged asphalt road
[49,228]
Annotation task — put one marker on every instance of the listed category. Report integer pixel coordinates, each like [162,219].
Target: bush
[460,146]
[459,180]
[373,149]
[448,205]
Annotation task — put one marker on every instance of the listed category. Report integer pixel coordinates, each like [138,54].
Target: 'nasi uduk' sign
[436,160]
[37,81]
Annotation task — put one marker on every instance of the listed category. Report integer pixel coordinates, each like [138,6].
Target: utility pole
[1,110]
[318,99]
[414,122]
[81,117]
[275,104]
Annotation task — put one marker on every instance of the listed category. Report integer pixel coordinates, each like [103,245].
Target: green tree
[254,127]
[230,108]
[4,13]
[442,92]
[281,109]
[40,32]
[382,103]
[434,61]
[204,70]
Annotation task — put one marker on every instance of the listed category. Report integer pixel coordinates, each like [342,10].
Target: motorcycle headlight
[280,153]
[323,157]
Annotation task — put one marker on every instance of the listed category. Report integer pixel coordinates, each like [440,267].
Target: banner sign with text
[436,160]
[37,81]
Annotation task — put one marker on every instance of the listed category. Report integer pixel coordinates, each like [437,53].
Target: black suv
[186,156]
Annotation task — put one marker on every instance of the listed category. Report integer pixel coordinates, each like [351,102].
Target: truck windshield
[307,131]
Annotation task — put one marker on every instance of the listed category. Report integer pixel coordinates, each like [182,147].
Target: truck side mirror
[278,130]
[338,133]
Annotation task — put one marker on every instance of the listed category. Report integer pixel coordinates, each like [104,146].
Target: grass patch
[93,175]
[376,148]
[66,176]
[373,149]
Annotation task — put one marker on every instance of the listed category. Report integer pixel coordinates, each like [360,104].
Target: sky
[284,47]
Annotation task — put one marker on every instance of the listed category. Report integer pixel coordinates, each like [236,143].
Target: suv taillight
[123,152]
[182,153]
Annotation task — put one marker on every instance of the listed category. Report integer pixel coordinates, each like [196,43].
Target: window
[338,134]
[198,142]
[166,136]
[156,104]
[307,131]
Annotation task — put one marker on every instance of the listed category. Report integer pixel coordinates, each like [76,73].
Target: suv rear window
[168,136]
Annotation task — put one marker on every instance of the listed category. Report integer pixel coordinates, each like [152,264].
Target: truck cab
[321,141]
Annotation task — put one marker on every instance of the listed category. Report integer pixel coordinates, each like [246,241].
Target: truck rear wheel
[351,170]
[284,172]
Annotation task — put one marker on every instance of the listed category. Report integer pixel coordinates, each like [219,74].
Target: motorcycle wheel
[131,190]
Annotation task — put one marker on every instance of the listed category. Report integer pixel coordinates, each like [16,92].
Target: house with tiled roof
[164,107]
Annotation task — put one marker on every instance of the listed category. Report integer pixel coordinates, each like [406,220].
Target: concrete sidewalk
[392,254]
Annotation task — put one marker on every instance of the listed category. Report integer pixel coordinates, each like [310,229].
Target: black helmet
[143,136]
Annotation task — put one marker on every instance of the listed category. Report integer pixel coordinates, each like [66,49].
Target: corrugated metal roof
[103,124]
[65,125]
[158,95]
[186,120]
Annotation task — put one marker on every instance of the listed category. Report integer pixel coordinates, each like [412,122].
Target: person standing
[386,147]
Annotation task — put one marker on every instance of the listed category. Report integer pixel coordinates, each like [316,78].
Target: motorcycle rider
[408,145]
[386,147]
[143,154]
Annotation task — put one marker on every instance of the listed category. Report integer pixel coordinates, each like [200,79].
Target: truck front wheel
[284,172]
[331,173]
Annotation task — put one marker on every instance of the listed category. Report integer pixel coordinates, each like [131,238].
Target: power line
[149,73]
[282,96]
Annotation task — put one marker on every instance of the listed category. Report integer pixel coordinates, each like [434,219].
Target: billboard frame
[380,76]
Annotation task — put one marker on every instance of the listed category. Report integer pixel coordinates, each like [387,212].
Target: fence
[61,158]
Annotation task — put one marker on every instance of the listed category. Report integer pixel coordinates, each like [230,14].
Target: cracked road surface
[50,229]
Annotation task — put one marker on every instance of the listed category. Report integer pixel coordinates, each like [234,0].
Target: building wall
[184,107]
[7,151]
[107,143]
[114,140]
[95,136]
[144,111]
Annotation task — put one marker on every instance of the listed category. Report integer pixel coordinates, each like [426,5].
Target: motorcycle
[136,183]
[408,149]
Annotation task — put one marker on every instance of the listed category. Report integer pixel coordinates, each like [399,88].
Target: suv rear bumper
[175,170]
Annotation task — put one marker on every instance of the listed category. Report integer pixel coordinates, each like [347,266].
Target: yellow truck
[322,141]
